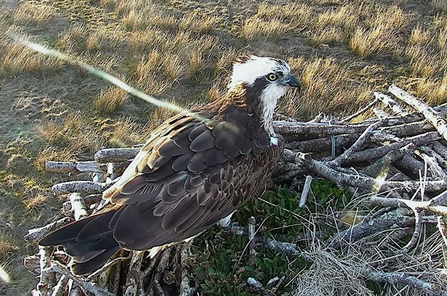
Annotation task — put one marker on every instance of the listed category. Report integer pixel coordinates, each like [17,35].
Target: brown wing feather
[191,174]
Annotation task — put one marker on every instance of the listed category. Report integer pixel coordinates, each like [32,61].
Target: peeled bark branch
[402,278]
[389,102]
[79,186]
[368,183]
[367,227]
[429,113]
[357,145]
[67,167]
[115,154]
[36,234]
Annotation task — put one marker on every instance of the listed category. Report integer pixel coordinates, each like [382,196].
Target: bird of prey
[195,170]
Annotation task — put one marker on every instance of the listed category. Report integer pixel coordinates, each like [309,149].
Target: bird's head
[264,81]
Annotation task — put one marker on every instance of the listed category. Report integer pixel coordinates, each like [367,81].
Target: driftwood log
[398,161]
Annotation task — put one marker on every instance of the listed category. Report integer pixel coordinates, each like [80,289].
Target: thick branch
[382,150]
[286,127]
[36,234]
[363,110]
[67,167]
[369,183]
[401,278]
[79,186]
[367,227]
[87,286]
[429,113]
[357,145]
[389,102]
[115,154]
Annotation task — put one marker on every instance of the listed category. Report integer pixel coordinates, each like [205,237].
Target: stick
[59,289]
[47,278]
[115,154]
[416,232]
[389,102]
[381,151]
[380,114]
[79,186]
[185,289]
[363,110]
[429,113]
[78,206]
[286,127]
[399,217]
[442,229]
[251,235]
[133,276]
[358,144]
[36,234]
[284,117]
[87,286]
[440,149]
[322,144]
[305,192]
[401,278]
[369,183]
[287,248]
[76,167]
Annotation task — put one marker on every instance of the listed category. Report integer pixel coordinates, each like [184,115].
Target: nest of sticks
[394,163]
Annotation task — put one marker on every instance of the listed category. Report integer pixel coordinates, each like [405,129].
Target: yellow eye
[272,77]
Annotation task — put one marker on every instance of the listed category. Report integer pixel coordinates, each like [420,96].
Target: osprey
[195,170]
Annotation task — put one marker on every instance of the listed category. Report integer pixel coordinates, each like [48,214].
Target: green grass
[222,260]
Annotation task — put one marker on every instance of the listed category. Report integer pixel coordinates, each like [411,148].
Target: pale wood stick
[358,144]
[370,183]
[115,154]
[434,117]
[59,289]
[78,206]
[87,286]
[47,278]
[363,110]
[79,186]
[305,191]
[382,150]
[440,149]
[67,167]
[36,234]
[402,278]
[442,229]
[380,114]
[286,127]
[251,235]
[390,103]
[133,276]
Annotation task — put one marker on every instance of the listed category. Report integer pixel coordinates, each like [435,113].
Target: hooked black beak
[293,82]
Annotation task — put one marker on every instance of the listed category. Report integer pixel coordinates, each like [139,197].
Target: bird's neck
[255,106]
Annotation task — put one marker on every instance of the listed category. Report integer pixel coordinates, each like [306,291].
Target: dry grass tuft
[439,4]
[157,72]
[326,86]
[29,13]
[197,25]
[110,100]
[72,134]
[6,248]
[15,59]
[255,28]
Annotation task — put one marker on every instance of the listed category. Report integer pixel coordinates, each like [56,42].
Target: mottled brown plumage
[196,169]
